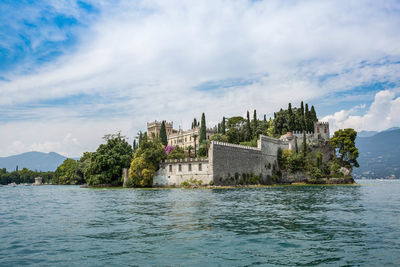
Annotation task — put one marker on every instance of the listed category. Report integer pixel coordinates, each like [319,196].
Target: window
[317,130]
[180,167]
[170,168]
[185,139]
[199,166]
[326,130]
[190,167]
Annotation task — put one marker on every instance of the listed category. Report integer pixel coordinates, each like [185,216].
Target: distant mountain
[366,133]
[32,160]
[379,155]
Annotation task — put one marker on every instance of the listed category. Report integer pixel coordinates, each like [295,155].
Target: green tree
[255,124]
[313,117]
[249,134]
[296,147]
[163,134]
[290,118]
[344,143]
[67,173]
[304,144]
[203,129]
[203,135]
[307,119]
[223,126]
[145,163]
[107,162]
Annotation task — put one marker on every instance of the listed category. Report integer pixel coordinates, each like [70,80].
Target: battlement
[322,123]
[185,160]
[234,145]
[156,123]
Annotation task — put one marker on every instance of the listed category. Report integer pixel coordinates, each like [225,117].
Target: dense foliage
[294,119]
[23,176]
[344,143]
[107,162]
[146,162]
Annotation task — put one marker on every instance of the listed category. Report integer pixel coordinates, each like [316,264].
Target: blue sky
[72,71]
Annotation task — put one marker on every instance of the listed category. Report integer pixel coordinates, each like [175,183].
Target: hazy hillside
[379,155]
[32,160]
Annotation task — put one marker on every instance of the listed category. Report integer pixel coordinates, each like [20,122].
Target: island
[293,147]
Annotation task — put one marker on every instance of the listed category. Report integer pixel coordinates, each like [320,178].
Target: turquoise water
[287,226]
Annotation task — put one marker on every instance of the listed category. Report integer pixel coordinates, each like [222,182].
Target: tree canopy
[344,143]
[107,162]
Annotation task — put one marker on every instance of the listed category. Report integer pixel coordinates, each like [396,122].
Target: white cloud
[381,115]
[147,57]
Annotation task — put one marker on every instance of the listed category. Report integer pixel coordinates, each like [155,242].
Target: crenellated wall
[224,161]
[227,159]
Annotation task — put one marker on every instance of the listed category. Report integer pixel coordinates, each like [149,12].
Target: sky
[73,71]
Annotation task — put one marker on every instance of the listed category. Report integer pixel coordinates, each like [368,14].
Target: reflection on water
[298,225]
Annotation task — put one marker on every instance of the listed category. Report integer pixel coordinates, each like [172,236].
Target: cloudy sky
[72,71]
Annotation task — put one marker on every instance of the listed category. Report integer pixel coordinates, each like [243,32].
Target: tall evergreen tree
[223,126]
[249,134]
[301,117]
[304,144]
[313,116]
[203,129]
[290,118]
[140,138]
[163,134]
[296,147]
[307,119]
[219,128]
[255,124]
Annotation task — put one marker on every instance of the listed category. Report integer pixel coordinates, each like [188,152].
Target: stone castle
[227,160]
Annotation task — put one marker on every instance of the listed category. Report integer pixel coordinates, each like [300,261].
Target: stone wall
[175,172]
[227,159]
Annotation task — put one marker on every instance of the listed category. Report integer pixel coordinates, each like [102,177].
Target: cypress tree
[219,128]
[313,116]
[290,118]
[248,126]
[255,124]
[223,125]
[296,147]
[301,117]
[265,118]
[140,138]
[163,134]
[134,145]
[307,119]
[304,145]
[203,134]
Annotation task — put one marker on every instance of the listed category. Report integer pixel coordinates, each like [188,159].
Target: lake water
[287,226]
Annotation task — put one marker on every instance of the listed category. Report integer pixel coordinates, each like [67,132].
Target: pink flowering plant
[168,149]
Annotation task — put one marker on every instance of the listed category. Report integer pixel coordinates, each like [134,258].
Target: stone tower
[153,128]
[322,129]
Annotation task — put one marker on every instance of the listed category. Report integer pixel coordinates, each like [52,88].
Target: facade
[179,137]
[187,138]
[321,133]
[227,163]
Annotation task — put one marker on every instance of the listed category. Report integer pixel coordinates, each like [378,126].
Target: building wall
[322,129]
[185,139]
[228,159]
[170,174]
[225,160]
